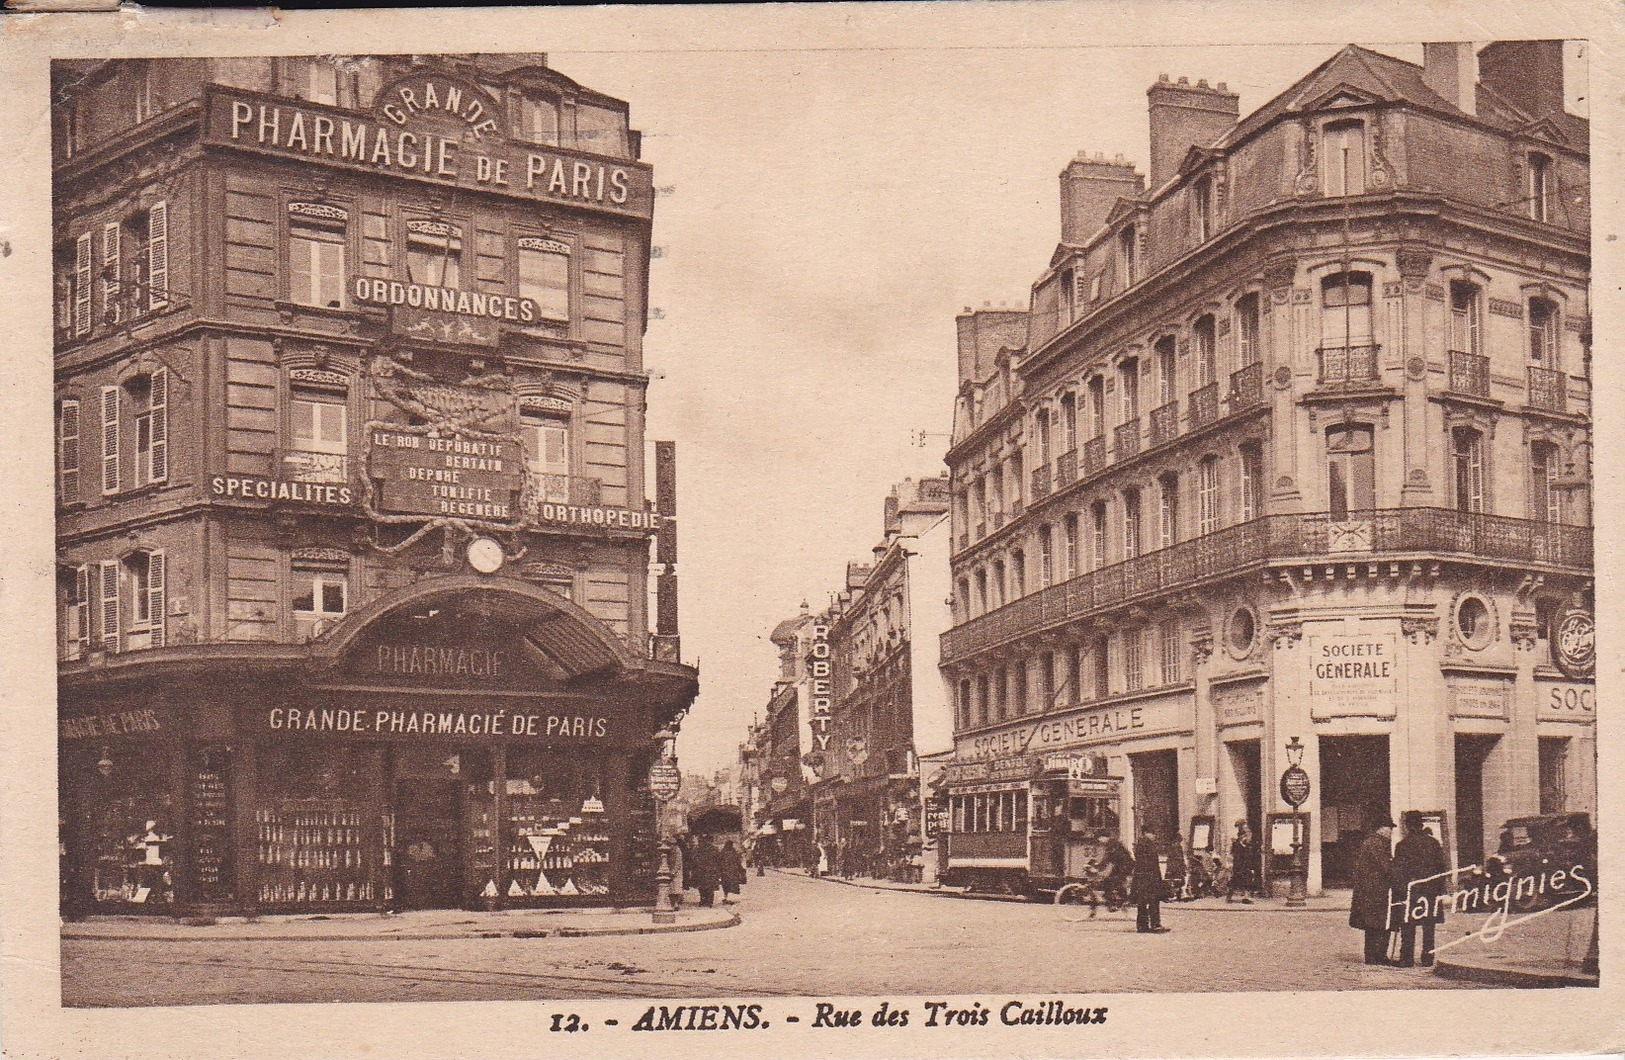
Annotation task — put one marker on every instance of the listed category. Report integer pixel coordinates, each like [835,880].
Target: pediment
[1343,97]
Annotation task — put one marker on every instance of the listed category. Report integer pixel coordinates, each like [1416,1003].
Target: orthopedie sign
[451,140]
[459,478]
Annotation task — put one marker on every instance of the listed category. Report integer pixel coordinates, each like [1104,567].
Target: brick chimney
[1184,116]
[982,334]
[1526,73]
[1447,68]
[1090,187]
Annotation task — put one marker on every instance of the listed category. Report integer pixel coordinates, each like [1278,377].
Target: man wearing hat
[1148,884]
[1419,878]
[1373,882]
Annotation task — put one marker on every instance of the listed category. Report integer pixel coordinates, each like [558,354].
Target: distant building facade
[1294,443]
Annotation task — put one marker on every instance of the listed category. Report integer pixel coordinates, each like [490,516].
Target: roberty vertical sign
[820,700]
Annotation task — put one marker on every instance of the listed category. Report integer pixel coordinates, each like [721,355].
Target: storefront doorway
[1245,760]
[1353,800]
[1471,753]
[428,843]
[1156,792]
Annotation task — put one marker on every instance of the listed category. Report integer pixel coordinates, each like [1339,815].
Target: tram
[1026,825]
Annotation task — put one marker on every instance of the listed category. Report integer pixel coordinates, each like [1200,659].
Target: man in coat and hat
[1373,882]
[1419,879]
[1148,884]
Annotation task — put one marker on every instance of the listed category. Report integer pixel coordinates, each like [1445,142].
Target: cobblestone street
[797,936]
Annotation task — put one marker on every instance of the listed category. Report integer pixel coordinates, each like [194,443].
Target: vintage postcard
[987,530]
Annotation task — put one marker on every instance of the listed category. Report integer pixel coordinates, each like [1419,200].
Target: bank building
[1288,459]
[353,544]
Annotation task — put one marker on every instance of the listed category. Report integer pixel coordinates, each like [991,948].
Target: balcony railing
[1126,438]
[301,466]
[1281,538]
[1347,366]
[1469,374]
[1247,387]
[1204,405]
[1548,390]
[981,529]
[1094,456]
[1164,423]
[566,489]
[1066,468]
[1040,482]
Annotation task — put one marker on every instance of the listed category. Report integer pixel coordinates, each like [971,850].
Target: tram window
[1020,822]
[959,813]
[1040,811]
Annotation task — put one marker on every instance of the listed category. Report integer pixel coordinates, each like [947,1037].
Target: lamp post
[664,782]
[1295,790]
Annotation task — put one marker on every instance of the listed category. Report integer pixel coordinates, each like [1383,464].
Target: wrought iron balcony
[1389,533]
[1126,438]
[302,466]
[1247,387]
[1347,366]
[1548,390]
[1094,456]
[1164,423]
[565,489]
[1469,374]
[1066,469]
[1040,482]
[1204,405]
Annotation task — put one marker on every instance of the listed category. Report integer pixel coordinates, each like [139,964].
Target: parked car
[1550,858]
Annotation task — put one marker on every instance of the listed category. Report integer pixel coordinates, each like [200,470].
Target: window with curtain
[1543,332]
[1350,470]
[1345,310]
[544,275]
[319,440]
[316,252]
[1465,309]
[1545,500]
[1467,460]
[434,253]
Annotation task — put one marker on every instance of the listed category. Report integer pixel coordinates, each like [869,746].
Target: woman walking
[730,871]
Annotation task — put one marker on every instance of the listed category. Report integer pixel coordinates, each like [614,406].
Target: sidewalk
[1333,901]
[1546,950]
[418,925]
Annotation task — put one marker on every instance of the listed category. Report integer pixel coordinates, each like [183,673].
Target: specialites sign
[456,478]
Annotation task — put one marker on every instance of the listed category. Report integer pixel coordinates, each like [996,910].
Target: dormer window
[536,119]
[1202,209]
[1127,266]
[1344,143]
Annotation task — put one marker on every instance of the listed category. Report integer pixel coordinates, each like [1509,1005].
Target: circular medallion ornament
[1283,377]
[485,555]
[1295,786]
[1416,368]
[1574,642]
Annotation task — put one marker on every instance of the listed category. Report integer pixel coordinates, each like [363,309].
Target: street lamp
[1295,790]
[664,782]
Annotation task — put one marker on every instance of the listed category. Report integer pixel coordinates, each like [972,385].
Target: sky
[823,216]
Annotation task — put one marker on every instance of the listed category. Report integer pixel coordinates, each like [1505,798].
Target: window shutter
[111,267]
[81,285]
[81,607]
[158,255]
[110,616]
[110,440]
[68,451]
[159,459]
[157,599]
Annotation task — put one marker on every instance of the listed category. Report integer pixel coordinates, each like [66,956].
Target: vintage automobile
[1549,858]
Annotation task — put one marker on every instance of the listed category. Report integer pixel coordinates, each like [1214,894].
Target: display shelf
[557,848]
[313,851]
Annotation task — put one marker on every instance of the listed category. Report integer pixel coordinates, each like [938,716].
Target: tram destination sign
[458,478]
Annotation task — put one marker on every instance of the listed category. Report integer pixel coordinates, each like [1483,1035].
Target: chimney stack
[982,334]
[1447,68]
[1526,73]
[1184,116]
[1090,187]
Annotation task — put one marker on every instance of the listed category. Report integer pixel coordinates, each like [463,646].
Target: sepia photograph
[923,533]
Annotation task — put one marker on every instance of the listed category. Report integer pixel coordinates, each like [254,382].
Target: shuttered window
[157,468]
[79,612]
[112,264]
[109,605]
[81,285]
[67,450]
[110,439]
[158,256]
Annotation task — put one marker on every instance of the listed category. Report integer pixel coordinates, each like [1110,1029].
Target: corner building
[1293,442]
[353,544]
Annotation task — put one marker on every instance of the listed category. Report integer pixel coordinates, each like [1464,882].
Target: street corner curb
[646,929]
[1526,978]
[733,920]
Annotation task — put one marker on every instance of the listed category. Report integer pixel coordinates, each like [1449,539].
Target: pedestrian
[703,868]
[1243,864]
[821,866]
[730,871]
[1176,870]
[1419,881]
[1373,881]
[1148,884]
